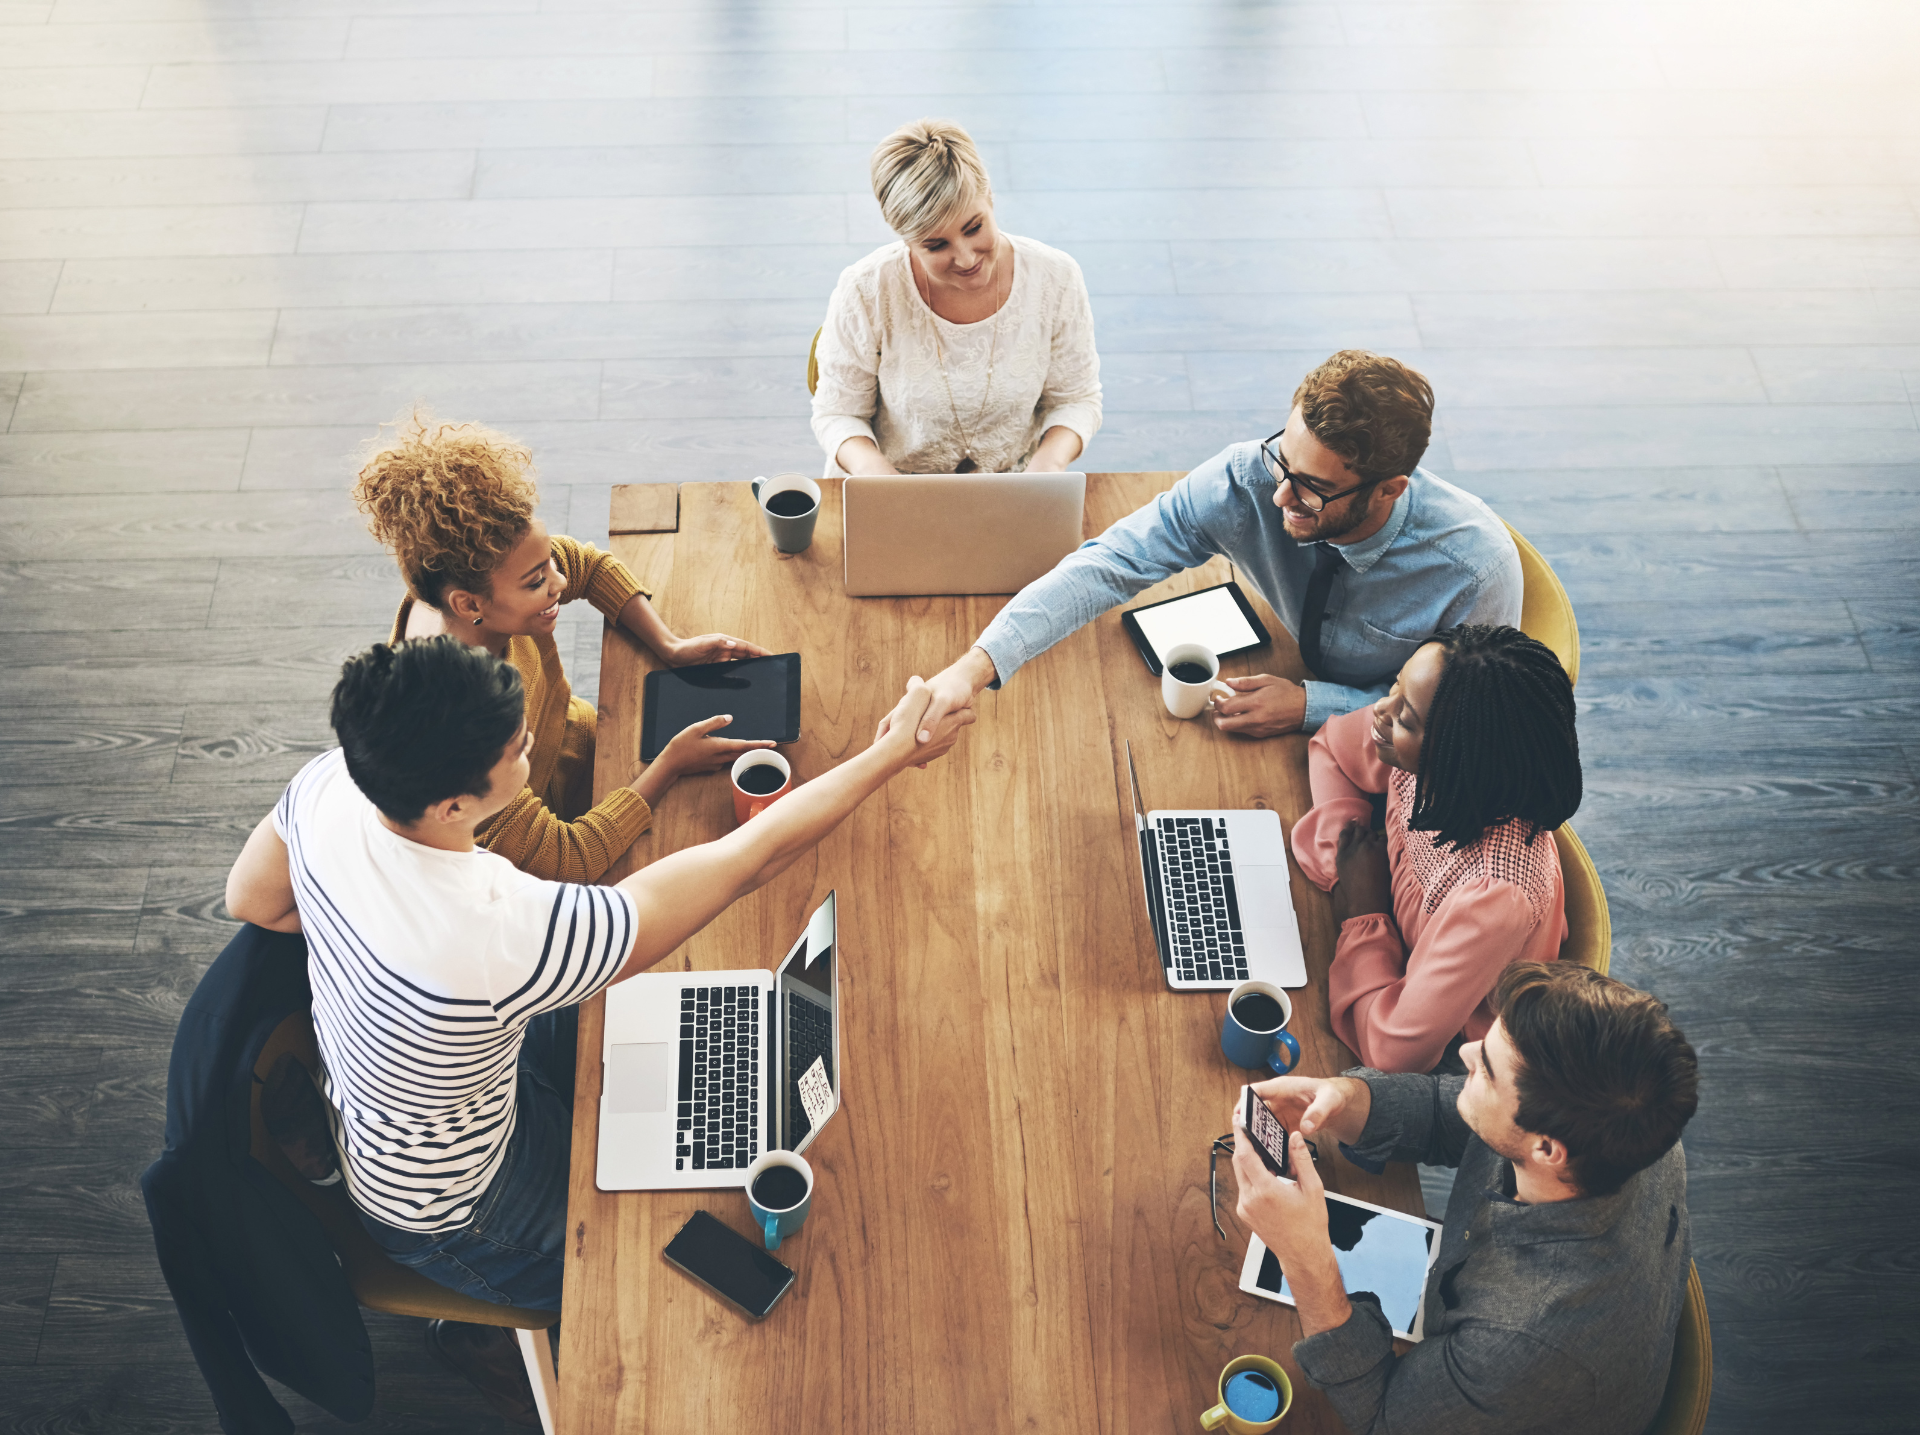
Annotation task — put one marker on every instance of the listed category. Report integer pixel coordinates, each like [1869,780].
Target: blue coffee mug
[777,1224]
[1272,1049]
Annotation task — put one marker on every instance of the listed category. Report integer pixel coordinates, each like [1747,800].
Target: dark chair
[378,1282]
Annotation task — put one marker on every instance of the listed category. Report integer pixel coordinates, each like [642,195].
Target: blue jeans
[514,1249]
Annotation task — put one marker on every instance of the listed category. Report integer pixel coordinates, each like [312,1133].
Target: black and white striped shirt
[426,966]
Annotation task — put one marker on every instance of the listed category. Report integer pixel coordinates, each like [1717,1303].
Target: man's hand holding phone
[1290,1216]
[1337,1105]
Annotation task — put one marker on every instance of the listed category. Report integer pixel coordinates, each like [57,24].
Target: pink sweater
[1402,985]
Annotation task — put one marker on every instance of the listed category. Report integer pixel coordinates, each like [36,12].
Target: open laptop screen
[808,1028]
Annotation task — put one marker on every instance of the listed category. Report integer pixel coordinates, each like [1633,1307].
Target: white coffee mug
[1185,700]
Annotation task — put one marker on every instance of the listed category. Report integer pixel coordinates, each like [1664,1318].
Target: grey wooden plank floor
[1660,261]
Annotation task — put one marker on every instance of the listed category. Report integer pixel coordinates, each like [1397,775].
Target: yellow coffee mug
[1223,1415]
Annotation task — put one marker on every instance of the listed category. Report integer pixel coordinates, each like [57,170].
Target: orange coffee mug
[755,791]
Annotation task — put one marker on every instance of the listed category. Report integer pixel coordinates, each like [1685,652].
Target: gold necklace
[966,463]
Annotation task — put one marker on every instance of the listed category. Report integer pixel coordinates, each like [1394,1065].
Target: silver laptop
[929,533]
[1218,895]
[701,1072]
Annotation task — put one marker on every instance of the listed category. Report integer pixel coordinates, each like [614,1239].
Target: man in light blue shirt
[1362,553]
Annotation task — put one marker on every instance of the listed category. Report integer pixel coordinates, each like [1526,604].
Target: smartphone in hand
[1268,1135]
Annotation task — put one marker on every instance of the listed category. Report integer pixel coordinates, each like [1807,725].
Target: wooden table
[1010,1230]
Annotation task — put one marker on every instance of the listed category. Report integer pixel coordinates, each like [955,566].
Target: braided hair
[1500,740]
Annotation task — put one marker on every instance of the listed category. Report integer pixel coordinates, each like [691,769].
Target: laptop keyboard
[719,1118]
[809,1035]
[1203,910]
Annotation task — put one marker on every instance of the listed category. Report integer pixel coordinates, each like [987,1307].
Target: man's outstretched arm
[1180,529]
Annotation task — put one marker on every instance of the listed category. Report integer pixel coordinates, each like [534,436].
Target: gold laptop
[931,533]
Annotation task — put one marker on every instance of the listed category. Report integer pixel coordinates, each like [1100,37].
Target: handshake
[921,726]
[933,712]
[1260,706]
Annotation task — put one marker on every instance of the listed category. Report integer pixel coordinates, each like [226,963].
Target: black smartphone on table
[729,1265]
[1268,1134]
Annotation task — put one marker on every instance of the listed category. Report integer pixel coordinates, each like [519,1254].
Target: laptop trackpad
[1265,902]
[636,1076]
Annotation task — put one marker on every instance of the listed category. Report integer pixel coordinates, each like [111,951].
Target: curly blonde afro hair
[450,501]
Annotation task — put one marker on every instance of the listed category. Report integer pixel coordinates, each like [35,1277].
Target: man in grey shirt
[1563,1265]
[1362,553]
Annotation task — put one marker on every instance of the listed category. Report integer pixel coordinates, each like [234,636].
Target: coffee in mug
[1252,1032]
[779,1188]
[1258,1012]
[790,503]
[762,778]
[779,1193]
[1188,677]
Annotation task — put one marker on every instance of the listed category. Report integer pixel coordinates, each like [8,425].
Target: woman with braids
[454,503]
[1475,751]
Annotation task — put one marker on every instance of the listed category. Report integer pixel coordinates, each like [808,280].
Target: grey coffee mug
[791,533]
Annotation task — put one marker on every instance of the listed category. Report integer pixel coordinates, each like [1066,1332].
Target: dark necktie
[1313,608]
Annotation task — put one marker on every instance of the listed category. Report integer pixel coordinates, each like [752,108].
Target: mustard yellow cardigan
[554,829]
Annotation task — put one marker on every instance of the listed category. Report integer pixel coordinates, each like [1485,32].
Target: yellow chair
[378,1282]
[1545,612]
[1589,925]
[813,363]
[1683,1410]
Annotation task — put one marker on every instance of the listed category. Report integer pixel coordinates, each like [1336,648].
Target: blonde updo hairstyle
[450,501]
[925,171]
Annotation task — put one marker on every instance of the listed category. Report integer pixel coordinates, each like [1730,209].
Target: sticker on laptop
[816,1093]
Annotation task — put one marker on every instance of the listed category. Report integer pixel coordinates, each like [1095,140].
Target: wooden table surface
[1010,1227]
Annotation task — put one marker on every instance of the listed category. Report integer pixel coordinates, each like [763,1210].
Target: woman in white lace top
[959,348]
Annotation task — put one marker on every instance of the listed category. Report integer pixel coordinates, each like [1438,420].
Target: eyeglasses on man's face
[1311,495]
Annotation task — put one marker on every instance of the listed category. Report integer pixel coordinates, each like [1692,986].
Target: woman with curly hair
[1475,751]
[454,503]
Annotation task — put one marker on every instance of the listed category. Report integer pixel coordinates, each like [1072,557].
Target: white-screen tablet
[1219,618]
[1380,1251]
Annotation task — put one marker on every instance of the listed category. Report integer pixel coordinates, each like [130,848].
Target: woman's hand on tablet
[709,648]
[693,749]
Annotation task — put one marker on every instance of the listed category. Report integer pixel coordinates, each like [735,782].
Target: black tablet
[763,694]
[1220,617]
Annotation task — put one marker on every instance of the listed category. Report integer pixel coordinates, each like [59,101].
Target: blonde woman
[454,503]
[958,348]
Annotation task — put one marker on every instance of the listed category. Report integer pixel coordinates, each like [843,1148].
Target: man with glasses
[1362,553]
